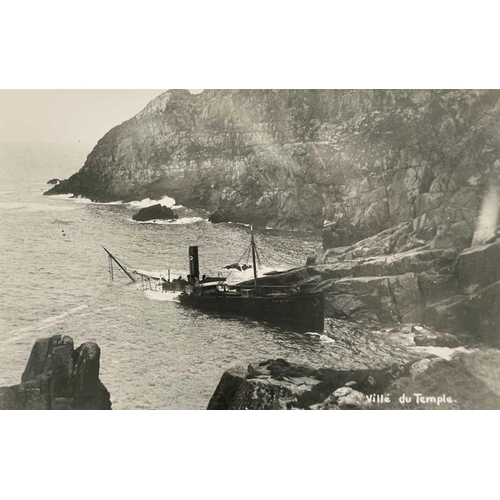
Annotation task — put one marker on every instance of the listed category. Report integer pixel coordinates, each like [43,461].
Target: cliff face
[360,160]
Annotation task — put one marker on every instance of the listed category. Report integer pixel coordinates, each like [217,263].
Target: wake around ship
[265,298]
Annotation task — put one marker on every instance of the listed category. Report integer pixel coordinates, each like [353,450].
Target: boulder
[390,298]
[155,212]
[53,181]
[477,314]
[58,377]
[280,385]
[345,398]
[469,380]
[421,366]
[217,216]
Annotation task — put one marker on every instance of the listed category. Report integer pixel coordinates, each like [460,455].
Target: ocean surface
[155,353]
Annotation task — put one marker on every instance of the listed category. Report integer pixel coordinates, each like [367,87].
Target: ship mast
[253,260]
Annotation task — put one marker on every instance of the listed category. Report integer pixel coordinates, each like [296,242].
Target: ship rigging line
[245,253]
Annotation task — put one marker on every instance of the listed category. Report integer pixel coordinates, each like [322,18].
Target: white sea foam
[162,296]
[189,220]
[166,201]
[33,207]
[86,201]
[442,352]
[326,339]
[67,196]
[82,200]
[106,309]
[45,323]
[182,220]
[64,314]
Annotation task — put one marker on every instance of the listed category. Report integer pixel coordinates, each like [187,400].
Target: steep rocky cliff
[361,160]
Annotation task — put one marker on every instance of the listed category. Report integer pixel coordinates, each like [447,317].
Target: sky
[67,115]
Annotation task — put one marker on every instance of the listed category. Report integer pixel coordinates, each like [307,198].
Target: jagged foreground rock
[59,377]
[469,381]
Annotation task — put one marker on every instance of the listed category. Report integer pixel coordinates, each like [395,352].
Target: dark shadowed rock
[87,368]
[53,181]
[155,212]
[469,380]
[37,359]
[58,377]
[62,371]
[311,260]
[217,216]
[9,399]
[279,385]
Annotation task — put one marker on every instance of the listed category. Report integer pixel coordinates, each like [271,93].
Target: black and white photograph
[249,206]
[250,249]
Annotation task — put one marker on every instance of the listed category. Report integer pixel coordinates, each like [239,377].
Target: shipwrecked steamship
[262,298]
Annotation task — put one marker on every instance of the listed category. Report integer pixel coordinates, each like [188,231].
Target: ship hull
[303,311]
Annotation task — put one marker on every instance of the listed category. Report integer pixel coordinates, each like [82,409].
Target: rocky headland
[59,377]
[359,161]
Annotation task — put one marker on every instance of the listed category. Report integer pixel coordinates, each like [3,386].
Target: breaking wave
[82,200]
[166,201]
[162,296]
[182,220]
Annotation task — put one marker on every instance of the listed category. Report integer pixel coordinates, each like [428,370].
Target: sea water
[155,353]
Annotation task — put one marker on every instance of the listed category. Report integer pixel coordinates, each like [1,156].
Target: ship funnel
[194,268]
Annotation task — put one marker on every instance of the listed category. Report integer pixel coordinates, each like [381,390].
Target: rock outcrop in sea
[59,377]
[157,211]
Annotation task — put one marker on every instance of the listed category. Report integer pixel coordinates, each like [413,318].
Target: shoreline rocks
[448,289]
[468,380]
[59,377]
